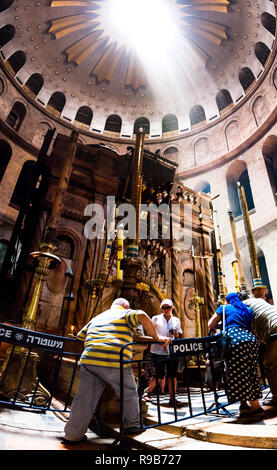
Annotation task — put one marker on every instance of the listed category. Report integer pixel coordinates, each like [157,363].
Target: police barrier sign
[31,339]
[191,346]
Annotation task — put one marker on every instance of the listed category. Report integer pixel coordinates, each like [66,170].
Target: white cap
[167,302]
[122,302]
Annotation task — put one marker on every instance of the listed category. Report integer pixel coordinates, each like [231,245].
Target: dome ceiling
[93,19]
[77,50]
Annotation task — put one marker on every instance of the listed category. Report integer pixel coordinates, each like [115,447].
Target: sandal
[251,412]
[244,409]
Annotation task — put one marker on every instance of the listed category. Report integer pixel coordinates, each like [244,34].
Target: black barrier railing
[194,355]
[20,383]
[31,381]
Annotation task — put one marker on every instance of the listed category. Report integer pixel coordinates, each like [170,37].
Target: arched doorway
[238,173]
[269,151]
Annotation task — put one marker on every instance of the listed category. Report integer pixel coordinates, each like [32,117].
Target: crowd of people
[248,324]
[251,327]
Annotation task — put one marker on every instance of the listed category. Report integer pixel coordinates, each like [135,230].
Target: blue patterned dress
[242,359]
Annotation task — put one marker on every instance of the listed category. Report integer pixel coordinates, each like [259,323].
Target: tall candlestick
[235,268]
[258,287]
[110,236]
[219,261]
[216,231]
[136,189]
[120,246]
[237,252]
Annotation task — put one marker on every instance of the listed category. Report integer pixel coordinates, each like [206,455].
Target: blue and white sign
[192,346]
[31,339]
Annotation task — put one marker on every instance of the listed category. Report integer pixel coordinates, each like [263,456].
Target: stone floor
[35,431]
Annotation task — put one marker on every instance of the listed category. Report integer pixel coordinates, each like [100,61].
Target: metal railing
[21,384]
[195,355]
[32,381]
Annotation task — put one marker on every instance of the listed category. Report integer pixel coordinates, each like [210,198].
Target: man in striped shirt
[103,339]
[265,329]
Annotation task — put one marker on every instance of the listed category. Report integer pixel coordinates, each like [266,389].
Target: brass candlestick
[20,367]
[235,268]
[46,260]
[136,189]
[15,364]
[219,261]
[196,301]
[131,264]
[237,252]
[259,290]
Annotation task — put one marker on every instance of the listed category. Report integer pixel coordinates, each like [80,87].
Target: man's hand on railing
[164,339]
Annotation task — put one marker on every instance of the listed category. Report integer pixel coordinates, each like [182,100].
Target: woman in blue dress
[242,358]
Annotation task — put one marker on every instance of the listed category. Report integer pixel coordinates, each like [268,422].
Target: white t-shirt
[162,328]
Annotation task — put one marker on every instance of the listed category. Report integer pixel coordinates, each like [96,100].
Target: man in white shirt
[166,325]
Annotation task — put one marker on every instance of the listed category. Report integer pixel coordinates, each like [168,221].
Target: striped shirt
[265,318]
[105,335]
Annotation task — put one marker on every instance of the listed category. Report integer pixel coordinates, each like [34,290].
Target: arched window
[6,34]
[223,99]
[169,123]
[34,83]
[196,115]
[246,78]
[171,153]
[262,52]
[56,103]
[5,4]
[144,123]
[269,22]
[113,123]
[16,115]
[16,61]
[203,187]
[269,151]
[84,116]
[238,173]
[24,182]
[5,156]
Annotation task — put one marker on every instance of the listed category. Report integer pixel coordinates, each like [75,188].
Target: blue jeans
[93,380]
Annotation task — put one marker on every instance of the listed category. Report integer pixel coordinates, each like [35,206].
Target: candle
[216,230]
[110,236]
[72,330]
[120,246]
